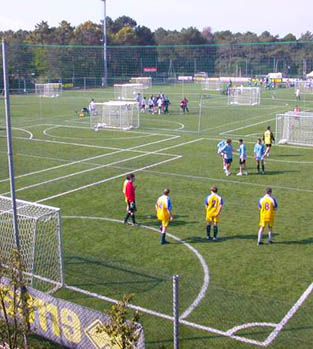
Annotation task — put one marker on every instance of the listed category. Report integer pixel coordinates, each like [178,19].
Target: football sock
[270,236]
[263,168]
[258,167]
[133,219]
[215,230]
[126,217]
[259,236]
[208,230]
[162,238]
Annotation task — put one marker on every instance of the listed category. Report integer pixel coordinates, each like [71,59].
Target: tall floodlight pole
[9,143]
[105,67]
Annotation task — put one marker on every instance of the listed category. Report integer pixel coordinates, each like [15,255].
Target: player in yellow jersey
[163,209]
[213,208]
[268,138]
[267,206]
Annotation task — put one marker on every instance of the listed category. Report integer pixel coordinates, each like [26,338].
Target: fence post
[176,311]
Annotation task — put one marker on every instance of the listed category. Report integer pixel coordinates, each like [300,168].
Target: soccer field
[233,293]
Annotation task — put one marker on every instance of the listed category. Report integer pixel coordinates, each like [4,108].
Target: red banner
[150,70]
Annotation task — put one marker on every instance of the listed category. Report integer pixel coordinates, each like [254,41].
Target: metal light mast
[105,68]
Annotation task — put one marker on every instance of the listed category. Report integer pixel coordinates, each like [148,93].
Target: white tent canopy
[310,75]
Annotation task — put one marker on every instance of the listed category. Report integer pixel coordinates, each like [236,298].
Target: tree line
[66,51]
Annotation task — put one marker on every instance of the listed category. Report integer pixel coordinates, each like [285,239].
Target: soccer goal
[211,84]
[244,95]
[40,237]
[145,81]
[116,114]
[294,128]
[127,91]
[48,90]
[305,86]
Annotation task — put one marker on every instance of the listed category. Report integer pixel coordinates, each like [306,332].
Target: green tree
[122,332]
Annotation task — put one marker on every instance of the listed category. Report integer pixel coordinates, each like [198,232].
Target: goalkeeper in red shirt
[130,196]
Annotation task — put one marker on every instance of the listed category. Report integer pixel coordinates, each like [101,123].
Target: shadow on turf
[198,239]
[296,242]
[110,275]
[269,173]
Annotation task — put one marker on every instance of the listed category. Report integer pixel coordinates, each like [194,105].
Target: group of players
[261,150]
[213,207]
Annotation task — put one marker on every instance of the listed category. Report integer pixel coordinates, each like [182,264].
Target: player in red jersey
[130,196]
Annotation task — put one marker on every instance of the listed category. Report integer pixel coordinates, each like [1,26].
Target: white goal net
[48,90]
[145,81]
[294,128]
[305,86]
[211,84]
[39,228]
[244,95]
[115,114]
[127,91]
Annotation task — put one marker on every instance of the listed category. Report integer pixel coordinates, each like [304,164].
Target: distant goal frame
[121,115]
[295,128]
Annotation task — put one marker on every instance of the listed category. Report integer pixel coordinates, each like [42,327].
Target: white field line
[98,146]
[283,161]
[107,130]
[237,122]
[78,173]
[250,325]
[31,136]
[164,316]
[205,267]
[289,315]
[221,333]
[92,158]
[247,126]
[45,132]
[226,181]
[124,174]
[107,180]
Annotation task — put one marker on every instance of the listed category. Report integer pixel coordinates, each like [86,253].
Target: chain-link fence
[81,67]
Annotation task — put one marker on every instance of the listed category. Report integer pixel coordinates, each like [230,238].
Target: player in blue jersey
[259,152]
[220,146]
[227,150]
[242,159]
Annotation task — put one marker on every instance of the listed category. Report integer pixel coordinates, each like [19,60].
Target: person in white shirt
[92,107]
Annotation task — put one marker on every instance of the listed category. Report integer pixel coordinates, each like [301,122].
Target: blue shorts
[228,161]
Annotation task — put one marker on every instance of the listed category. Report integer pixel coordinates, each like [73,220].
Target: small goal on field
[39,228]
[48,90]
[127,91]
[123,115]
[295,128]
[305,86]
[145,81]
[244,95]
[211,84]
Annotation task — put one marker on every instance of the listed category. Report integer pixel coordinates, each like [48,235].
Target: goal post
[48,90]
[40,236]
[294,128]
[123,115]
[127,91]
[304,86]
[244,95]
[211,84]
[145,81]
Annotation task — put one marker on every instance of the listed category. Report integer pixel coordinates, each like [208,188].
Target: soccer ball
[96,129]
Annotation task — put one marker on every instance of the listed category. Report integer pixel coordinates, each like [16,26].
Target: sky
[279,17]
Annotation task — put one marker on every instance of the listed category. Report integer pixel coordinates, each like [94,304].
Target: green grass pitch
[60,161]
